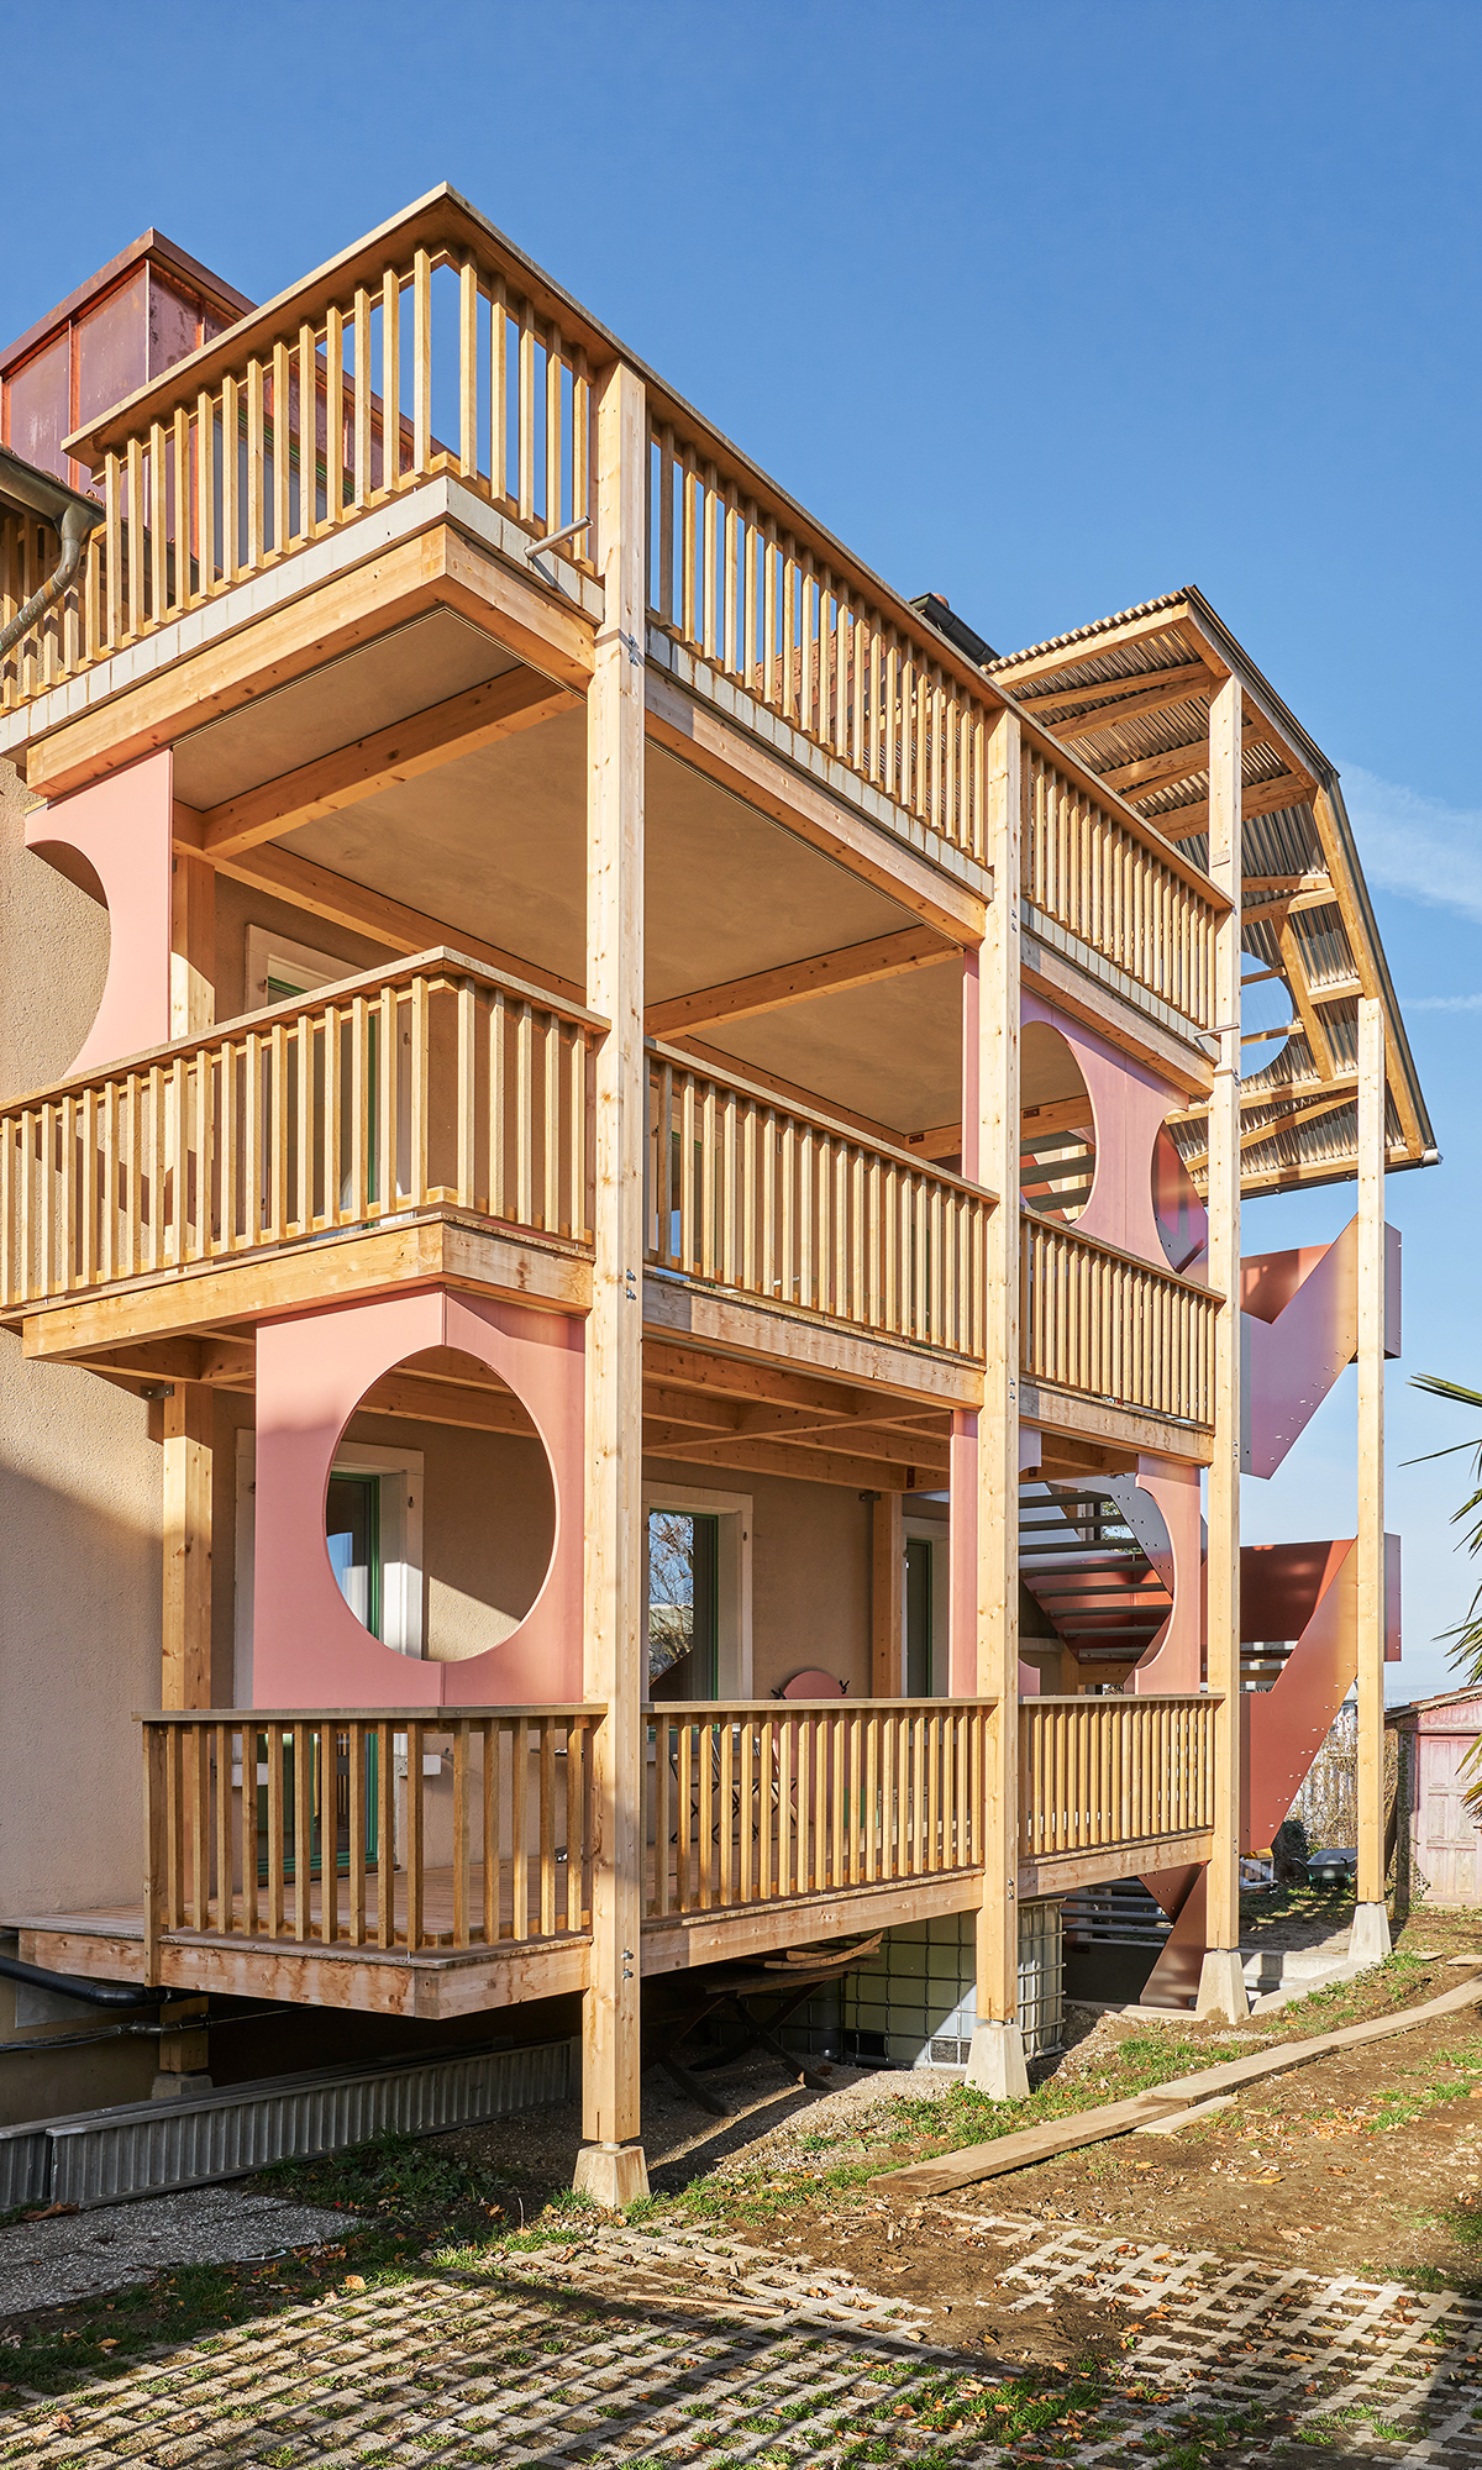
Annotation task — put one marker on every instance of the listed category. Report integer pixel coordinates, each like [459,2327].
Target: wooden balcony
[1131,1778]
[1098,1323]
[787,1206]
[435,1863]
[431,357]
[430,1090]
[253,1166]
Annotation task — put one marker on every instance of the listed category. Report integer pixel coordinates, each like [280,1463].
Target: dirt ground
[1369,2162]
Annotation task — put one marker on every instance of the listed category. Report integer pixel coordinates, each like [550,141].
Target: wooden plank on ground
[1118,2118]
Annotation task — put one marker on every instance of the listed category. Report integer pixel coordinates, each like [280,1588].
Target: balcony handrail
[748,1192]
[1162,1270]
[425,1715]
[438,958]
[817,1118]
[1079,1331]
[723,1710]
[420,1086]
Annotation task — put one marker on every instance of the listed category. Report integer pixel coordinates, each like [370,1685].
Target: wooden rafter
[820,973]
[342,902]
[1260,797]
[519,699]
[1150,690]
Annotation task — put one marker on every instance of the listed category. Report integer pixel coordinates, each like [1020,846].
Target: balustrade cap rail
[699,1068]
[1114,1252]
[708,1710]
[430,1717]
[1126,1698]
[438,957]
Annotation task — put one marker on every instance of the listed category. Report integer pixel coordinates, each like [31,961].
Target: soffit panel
[892,1051]
[419,664]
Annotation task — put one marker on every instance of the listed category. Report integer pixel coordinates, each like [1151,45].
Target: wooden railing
[751,1803]
[1143,908]
[796,1209]
[1109,1326]
[399,1828]
[1096,1773]
[435,360]
[430,1084]
[749,588]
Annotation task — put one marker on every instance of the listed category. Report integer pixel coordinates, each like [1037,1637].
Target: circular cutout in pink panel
[314,1372]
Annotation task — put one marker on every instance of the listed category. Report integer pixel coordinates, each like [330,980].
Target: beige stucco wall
[79,1485]
[810,1573]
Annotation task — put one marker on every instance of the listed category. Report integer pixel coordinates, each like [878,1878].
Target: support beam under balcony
[483,716]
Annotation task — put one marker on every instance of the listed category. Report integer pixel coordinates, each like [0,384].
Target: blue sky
[1049,308]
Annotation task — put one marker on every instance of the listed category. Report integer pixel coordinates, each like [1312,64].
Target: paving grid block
[632,2347]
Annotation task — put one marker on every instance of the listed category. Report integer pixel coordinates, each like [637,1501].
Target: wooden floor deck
[440,1978]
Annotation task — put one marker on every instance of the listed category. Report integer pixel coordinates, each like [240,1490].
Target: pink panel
[1175,1658]
[122,826]
[312,1372]
[1301,1327]
[1129,1106]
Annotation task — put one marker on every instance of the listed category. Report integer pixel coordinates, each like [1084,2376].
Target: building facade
[625,1340]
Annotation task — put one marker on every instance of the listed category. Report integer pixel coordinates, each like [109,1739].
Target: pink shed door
[1447,1835]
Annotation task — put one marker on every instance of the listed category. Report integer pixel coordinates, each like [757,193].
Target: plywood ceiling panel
[416,665]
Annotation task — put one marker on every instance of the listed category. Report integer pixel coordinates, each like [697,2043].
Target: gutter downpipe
[76,517]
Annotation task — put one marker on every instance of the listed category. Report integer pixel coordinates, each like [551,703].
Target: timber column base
[995,2064]
[1369,1941]
[1222,1993]
[184,2067]
[613,2175]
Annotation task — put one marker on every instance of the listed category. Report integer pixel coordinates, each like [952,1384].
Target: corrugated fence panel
[145,2148]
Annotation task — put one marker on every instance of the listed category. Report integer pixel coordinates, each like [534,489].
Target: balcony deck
[766,1827]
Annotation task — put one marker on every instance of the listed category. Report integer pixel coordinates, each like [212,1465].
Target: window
[919,1552]
[373,1533]
[927,1608]
[278,968]
[697,1592]
[682,1607]
[353,1530]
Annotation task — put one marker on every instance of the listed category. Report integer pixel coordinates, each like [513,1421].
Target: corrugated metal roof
[1282,849]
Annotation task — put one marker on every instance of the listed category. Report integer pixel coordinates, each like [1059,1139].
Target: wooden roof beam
[365,912]
[1119,699]
[821,973]
[1175,619]
[1260,797]
[518,699]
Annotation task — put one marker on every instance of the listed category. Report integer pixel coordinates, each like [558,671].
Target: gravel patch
[70,2256]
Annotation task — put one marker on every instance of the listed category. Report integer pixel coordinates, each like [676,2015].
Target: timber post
[1222,1983]
[1369,1939]
[610,2166]
[185,1663]
[990,1123]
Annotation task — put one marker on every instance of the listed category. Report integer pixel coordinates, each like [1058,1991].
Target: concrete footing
[1222,1994]
[1369,1939]
[613,2175]
[995,2063]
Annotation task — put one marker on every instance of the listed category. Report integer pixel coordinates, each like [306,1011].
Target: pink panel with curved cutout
[1129,1106]
[1174,1661]
[122,826]
[312,1372]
